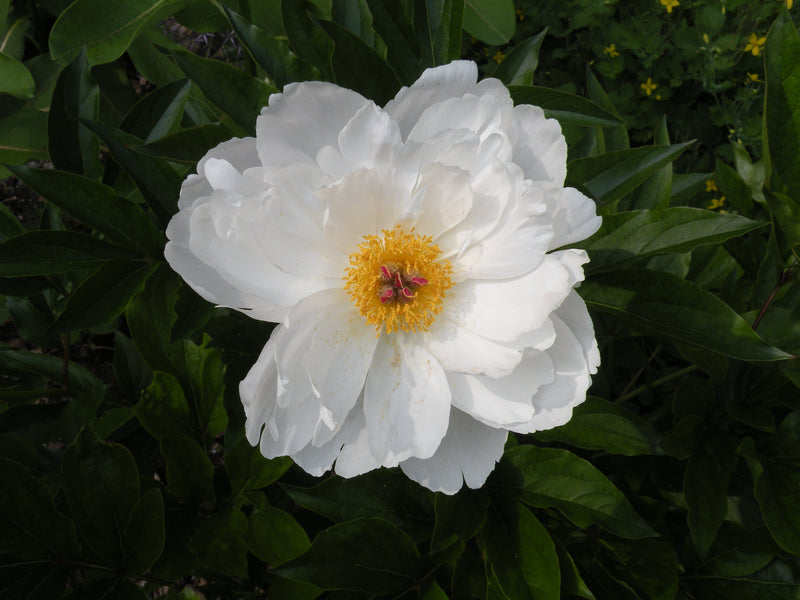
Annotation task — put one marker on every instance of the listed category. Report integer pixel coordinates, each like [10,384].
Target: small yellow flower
[611,50]
[788,4]
[716,203]
[754,44]
[753,77]
[521,14]
[670,4]
[498,57]
[648,86]
[705,38]
[711,185]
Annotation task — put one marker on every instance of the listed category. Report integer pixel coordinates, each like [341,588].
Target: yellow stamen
[397,280]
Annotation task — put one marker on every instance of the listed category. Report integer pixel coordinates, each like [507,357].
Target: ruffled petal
[406,401]
[574,216]
[538,145]
[302,120]
[434,85]
[467,453]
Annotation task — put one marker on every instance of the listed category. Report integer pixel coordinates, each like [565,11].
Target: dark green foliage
[123,458]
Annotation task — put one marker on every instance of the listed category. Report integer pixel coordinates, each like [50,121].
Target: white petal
[554,402]
[507,401]
[468,453]
[434,85]
[575,316]
[303,119]
[239,152]
[503,309]
[445,199]
[406,401]
[538,145]
[573,215]
[315,460]
[340,354]
[356,457]
[461,350]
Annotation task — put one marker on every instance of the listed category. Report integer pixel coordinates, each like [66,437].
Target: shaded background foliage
[122,455]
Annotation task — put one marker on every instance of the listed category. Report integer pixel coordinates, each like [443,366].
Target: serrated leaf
[97,206]
[105,29]
[598,424]
[366,555]
[103,296]
[101,485]
[671,307]
[628,236]
[554,478]
[50,252]
[491,21]
[566,107]
[609,177]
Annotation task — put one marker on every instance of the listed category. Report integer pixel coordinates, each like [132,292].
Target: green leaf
[554,478]
[392,23]
[520,64]
[144,538]
[159,183]
[786,211]
[281,64]
[219,543]
[566,107]
[51,367]
[628,236]
[104,295]
[458,517]
[248,470]
[31,525]
[609,177]
[670,307]
[382,494]
[15,77]
[438,25]
[274,536]
[616,137]
[163,409]
[97,206]
[737,552]
[40,580]
[49,252]
[352,58]
[521,554]
[190,474]
[705,486]
[72,147]
[150,317]
[159,112]
[598,424]
[733,187]
[648,566]
[235,92]
[656,191]
[491,21]
[105,29]
[777,490]
[781,106]
[364,555]
[101,485]
[308,40]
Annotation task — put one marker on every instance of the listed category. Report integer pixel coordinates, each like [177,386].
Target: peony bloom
[409,254]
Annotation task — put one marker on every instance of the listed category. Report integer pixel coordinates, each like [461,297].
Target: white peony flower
[409,255]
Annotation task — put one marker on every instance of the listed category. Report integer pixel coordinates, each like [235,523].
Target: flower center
[397,280]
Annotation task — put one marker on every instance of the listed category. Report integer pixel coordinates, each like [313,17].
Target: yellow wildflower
[753,77]
[648,86]
[716,203]
[520,14]
[754,44]
[498,57]
[670,4]
[788,4]
[611,50]
[705,38]
[711,185]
